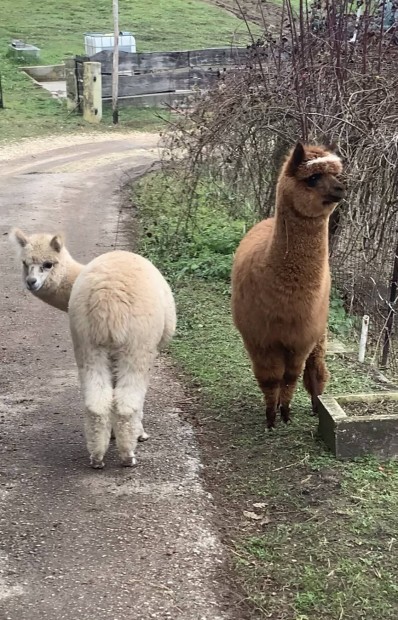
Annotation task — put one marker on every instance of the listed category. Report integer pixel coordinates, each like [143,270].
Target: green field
[58,28]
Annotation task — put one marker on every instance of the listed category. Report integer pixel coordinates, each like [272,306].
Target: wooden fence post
[1,94]
[115,69]
[72,97]
[92,92]
[390,312]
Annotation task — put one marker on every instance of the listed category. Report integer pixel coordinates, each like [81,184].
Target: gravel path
[77,544]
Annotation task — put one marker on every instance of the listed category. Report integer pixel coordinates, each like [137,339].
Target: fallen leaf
[252,515]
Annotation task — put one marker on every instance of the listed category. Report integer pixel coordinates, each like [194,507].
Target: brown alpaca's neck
[300,246]
[58,296]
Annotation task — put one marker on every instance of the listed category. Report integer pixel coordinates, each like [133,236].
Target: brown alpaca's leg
[294,368]
[316,374]
[269,373]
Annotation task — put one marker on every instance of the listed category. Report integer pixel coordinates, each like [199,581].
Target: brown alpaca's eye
[313,180]
[48,265]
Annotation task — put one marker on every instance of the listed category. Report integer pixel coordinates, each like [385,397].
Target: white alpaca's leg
[143,436]
[96,382]
[127,414]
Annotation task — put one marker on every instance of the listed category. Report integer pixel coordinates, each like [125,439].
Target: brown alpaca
[281,281]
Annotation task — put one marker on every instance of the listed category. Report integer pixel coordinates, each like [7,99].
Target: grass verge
[58,29]
[310,538]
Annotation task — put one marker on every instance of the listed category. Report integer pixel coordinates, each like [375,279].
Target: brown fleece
[281,281]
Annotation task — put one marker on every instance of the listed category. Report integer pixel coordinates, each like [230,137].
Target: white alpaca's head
[43,258]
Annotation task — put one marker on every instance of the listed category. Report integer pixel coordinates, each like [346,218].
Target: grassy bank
[58,29]
[310,538]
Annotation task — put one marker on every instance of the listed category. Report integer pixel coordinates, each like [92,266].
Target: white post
[364,338]
[92,92]
[360,10]
[115,67]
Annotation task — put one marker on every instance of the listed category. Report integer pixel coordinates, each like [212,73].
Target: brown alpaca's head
[309,181]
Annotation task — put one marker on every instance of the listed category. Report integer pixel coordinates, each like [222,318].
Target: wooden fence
[155,78]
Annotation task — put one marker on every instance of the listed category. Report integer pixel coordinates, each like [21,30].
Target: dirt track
[76,543]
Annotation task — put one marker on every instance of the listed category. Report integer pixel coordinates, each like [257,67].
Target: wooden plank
[156,100]
[218,56]
[163,61]
[142,62]
[80,70]
[203,78]
[80,58]
[161,82]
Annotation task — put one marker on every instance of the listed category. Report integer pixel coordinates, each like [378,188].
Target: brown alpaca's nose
[338,191]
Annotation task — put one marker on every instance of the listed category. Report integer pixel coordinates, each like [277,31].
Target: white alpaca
[121,312]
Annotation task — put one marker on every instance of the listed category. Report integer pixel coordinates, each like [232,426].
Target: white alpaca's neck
[59,294]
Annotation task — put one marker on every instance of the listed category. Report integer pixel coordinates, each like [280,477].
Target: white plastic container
[95,42]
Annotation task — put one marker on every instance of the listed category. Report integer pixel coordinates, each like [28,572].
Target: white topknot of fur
[325,159]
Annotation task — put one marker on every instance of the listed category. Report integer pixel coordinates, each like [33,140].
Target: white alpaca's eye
[48,265]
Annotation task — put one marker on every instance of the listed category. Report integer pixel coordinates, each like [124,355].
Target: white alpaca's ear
[18,237]
[57,243]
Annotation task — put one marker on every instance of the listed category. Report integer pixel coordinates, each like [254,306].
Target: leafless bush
[328,77]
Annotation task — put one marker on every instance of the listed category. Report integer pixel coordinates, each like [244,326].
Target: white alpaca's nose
[31,283]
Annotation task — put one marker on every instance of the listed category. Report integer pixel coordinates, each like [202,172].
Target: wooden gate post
[92,92]
[72,97]
[390,312]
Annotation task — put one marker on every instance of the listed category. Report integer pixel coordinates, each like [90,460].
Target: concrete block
[352,436]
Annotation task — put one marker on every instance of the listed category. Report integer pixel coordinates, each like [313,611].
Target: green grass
[324,545]
[327,546]
[58,29]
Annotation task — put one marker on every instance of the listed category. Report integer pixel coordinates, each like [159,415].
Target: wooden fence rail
[145,78]
[169,61]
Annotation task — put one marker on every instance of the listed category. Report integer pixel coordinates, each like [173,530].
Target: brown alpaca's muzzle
[336,192]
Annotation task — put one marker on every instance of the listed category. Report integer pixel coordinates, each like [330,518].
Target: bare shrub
[324,76]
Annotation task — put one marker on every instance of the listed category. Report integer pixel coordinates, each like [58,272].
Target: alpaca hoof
[315,406]
[130,461]
[271,418]
[143,437]
[96,463]
[285,414]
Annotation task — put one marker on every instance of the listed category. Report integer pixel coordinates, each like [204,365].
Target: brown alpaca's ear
[332,147]
[57,243]
[17,236]
[296,158]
